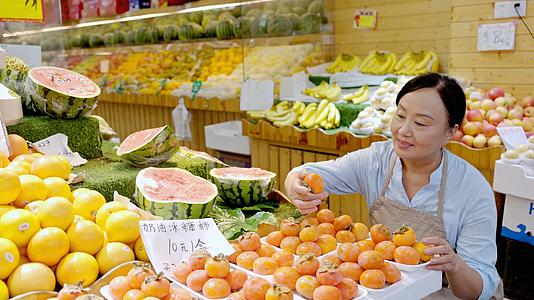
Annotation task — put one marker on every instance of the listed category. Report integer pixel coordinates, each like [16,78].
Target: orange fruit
[17,145]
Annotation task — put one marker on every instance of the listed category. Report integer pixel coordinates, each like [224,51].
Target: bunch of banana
[359,96]
[324,91]
[324,115]
[417,63]
[379,63]
[285,113]
[344,63]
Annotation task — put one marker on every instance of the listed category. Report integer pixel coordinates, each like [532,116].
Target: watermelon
[130,37]
[109,39]
[280,25]
[309,23]
[258,28]
[174,194]
[148,147]
[189,31]
[242,27]
[209,161]
[96,40]
[14,75]
[61,93]
[119,37]
[239,187]
[170,32]
[211,29]
[225,29]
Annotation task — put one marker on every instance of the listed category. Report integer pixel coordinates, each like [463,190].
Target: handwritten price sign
[170,242]
[500,36]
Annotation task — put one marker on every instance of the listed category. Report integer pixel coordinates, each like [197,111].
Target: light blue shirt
[469,212]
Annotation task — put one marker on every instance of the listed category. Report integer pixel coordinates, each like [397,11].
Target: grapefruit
[9,186]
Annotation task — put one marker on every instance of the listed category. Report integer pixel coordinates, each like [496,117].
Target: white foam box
[518,218]
[228,137]
[417,285]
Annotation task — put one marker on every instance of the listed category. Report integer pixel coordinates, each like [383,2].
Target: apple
[495,118]
[471,128]
[475,105]
[495,93]
[529,111]
[502,110]
[488,104]
[458,135]
[468,140]
[522,148]
[489,113]
[501,101]
[494,141]
[479,141]
[489,130]
[528,101]
[529,135]
[517,122]
[528,123]
[474,115]
[514,114]
[475,95]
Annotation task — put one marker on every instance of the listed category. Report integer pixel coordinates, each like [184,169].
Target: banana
[333,67]
[322,105]
[334,93]
[394,59]
[386,64]
[276,116]
[298,107]
[322,115]
[364,97]
[323,124]
[422,64]
[256,114]
[287,122]
[337,119]
[365,63]
[331,113]
[308,112]
[403,60]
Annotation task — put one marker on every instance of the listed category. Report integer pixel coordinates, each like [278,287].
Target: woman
[413,180]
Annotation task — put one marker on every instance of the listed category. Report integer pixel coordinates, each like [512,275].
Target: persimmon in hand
[314,182]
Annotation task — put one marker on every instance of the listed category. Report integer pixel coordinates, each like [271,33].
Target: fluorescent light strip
[133,18]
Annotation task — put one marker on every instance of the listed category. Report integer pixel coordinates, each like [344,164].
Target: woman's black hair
[449,90]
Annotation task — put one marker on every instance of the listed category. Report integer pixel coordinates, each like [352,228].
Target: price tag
[169,242]
[500,36]
[355,79]
[257,94]
[512,136]
[318,70]
[286,88]
[300,81]
[104,66]
[365,19]
[4,144]
[57,144]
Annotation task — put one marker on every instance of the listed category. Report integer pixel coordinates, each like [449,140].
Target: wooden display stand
[128,113]
[281,149]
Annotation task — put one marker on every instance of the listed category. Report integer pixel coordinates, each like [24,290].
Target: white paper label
[300,81]
[57,144]
[500,36]
[319,70]
[355,79]
[4,144]
[170,242]
[286,88]
[512,136]
[104,66]
[257,94]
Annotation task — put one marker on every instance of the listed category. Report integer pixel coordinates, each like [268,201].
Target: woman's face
[420,127]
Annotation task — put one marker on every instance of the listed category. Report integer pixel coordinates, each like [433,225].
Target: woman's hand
[300,195]
[447,261]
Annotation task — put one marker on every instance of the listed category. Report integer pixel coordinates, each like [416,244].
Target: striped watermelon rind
[154,152]
[240,192]
[174,210]
[13,80]
[57,104]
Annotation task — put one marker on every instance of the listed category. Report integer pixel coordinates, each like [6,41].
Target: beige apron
[393,215]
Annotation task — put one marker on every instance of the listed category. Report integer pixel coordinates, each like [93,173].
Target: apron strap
[390,173]
[442,185]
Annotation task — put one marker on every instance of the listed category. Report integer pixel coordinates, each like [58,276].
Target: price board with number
[494,37]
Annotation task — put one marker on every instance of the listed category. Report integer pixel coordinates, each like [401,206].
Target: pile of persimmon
[209,275]
[319,234]
[401,247]
[142,283]
[253,255]
[260,289]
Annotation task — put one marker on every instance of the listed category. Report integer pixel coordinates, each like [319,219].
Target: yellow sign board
[21,10]
[365,19]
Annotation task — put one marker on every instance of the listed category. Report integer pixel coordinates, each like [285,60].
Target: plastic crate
[519,270]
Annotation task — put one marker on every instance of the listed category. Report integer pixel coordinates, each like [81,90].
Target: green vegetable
[349,112]
[233,223]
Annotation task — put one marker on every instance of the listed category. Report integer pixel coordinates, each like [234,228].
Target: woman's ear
[450,133]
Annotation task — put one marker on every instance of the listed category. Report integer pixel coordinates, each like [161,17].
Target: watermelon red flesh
[65,82]
[138,139]
[164,185]
[239,187]
[174,193]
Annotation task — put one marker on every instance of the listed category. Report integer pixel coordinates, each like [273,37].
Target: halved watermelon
[174,194]
[210,161]
[148,147]
[240,187]
[61,93]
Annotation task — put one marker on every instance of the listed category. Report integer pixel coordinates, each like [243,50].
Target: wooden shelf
[209,42]
[231,105]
